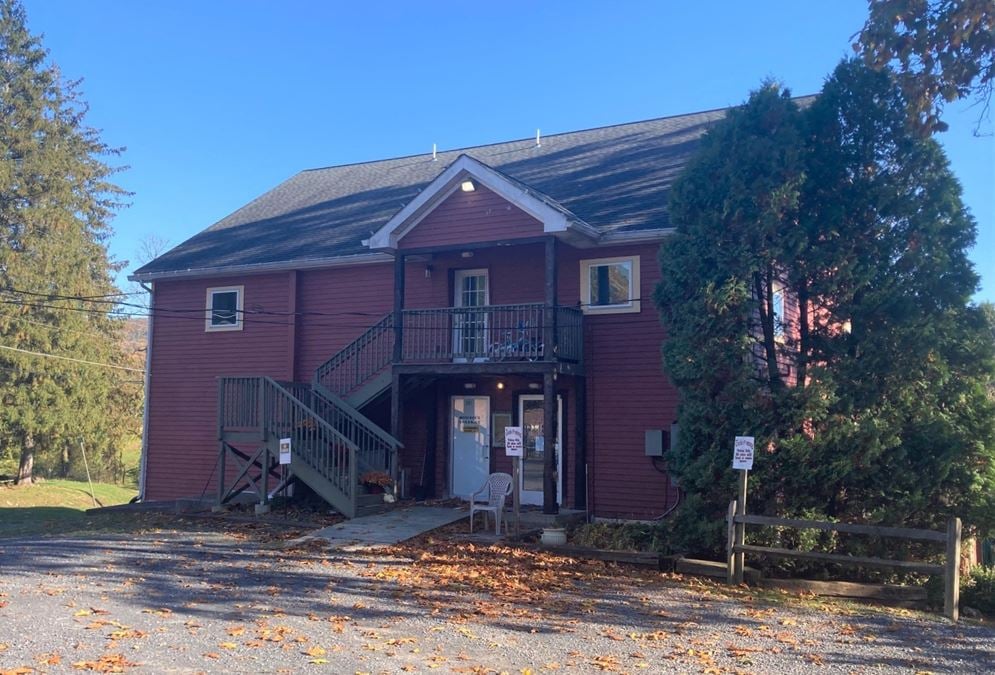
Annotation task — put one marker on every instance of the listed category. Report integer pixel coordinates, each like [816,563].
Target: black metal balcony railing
[487,334]
[491,333]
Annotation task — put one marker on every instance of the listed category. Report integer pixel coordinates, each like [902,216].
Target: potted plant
[377,482]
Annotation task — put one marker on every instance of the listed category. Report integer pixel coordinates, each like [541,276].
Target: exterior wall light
[467,186]
[500,385]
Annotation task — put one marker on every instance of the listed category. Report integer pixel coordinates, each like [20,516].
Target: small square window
[224,308]
[610,285]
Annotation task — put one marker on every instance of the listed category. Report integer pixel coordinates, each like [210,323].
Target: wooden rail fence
[736,549]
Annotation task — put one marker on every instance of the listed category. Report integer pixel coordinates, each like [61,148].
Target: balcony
[500,338]
[490,334]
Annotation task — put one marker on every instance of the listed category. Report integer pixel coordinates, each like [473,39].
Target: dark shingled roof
[614,178]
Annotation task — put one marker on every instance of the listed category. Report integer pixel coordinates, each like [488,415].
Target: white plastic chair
[496,489]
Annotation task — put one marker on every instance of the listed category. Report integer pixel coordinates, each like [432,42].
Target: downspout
[143,459]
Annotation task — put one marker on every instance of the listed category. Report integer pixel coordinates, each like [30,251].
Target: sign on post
[513,441]
[284,451]
[742,453]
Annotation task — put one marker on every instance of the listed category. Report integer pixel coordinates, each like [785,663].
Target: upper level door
[472,292]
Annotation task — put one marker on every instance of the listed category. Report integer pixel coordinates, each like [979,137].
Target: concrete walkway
[388,528]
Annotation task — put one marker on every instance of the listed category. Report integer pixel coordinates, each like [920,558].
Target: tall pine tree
[56,201]
[884,414]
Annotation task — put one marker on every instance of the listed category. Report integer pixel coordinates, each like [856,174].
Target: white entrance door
[471,290]
[531,417]
[471,444]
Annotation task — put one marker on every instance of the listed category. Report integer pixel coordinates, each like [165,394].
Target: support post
[740,537]
[395,414]
[730,542]
[221,472]
[549,477]
[951,585]
[549,320]
[398,306]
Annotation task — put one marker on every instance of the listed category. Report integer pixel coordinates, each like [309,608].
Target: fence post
[951,585]
[739,562]
[730,541]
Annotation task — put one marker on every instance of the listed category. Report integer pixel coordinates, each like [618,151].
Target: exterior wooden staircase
[332,443]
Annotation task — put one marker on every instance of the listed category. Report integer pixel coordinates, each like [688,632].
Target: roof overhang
[555,218]
[263,268]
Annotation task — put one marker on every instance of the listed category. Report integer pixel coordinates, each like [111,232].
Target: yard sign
[284,451]
[742,453]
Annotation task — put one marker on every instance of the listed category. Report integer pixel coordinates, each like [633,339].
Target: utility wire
[68,358]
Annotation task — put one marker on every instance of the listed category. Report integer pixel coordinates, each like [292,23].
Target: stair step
[369,500]
[370,510]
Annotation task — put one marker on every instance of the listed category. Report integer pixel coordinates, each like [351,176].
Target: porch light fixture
[467,186]
[500,385]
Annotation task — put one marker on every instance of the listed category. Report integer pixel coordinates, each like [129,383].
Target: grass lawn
[57,506]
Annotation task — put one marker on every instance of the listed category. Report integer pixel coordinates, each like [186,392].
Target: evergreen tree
[883,414]
[56,200]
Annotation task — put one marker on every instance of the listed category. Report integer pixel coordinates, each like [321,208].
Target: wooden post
[516,493]
[221,474]
[730,541]
[549,313]
[549,477]
[951,585]
[264,497]
[739,558]
[398,307]
[396,412]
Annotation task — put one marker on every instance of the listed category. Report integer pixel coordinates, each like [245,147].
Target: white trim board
[553,217]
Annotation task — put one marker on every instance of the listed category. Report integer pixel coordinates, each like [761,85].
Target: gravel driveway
[183,599]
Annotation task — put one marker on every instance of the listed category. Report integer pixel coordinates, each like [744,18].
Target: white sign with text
[284,451]
[742,453]
[513,441]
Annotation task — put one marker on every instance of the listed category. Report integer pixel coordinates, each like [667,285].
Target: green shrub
[978,590]
[621,536]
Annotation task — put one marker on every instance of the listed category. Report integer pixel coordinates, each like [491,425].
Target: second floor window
[610,285]
[224,308]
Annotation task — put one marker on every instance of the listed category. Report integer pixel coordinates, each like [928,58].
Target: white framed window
[777,310]
[224,308]
[610,285]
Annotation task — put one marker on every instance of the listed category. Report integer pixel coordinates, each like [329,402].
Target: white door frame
[459,276]
[534,497]
[485,422]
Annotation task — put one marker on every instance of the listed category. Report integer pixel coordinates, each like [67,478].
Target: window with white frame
[610,285]
[224,308]
[777,310]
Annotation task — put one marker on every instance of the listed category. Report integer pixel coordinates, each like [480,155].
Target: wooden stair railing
[377,450]
[260,409]
[359,362]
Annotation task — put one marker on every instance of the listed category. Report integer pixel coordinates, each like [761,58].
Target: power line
[69,358]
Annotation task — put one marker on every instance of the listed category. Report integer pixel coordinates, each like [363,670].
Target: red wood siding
[627,392]
[471,217]
[344,302]
[186,360]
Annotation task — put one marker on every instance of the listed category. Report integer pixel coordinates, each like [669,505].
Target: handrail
[367,355]
[263,407]
[374,428]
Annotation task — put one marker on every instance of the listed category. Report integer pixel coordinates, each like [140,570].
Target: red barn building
[396,315]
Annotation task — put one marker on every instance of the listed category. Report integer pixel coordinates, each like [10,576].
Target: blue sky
[218,101]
